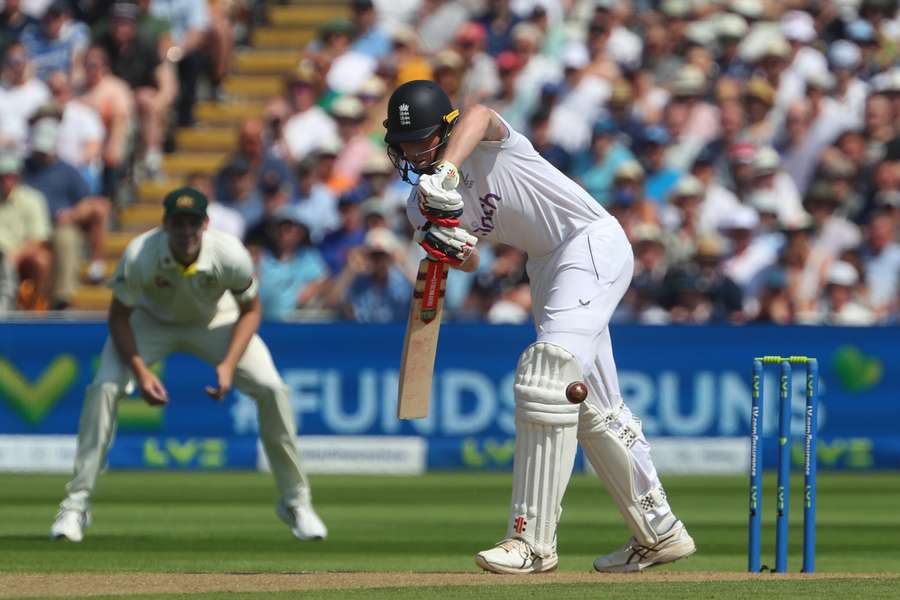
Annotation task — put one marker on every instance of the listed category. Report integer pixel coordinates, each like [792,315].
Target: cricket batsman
[480,179]
[183,288]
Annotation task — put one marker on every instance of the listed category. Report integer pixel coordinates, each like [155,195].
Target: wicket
[784,461]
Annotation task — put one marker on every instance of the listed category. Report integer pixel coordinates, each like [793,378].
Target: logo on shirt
[488,204]
[404,114]
[467,181]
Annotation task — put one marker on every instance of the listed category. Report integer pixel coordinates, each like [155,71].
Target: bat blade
[420,344]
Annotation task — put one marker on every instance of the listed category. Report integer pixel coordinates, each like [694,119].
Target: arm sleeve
[125,282]
[239,275]
[413,213]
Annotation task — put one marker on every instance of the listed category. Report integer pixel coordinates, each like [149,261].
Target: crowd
[750,148]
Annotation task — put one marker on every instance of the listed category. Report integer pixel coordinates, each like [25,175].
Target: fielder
[183,288]
[480,179]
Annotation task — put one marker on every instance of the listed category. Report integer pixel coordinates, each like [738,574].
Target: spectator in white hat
[21,95]
[840,306]
[767,174]
[850,91]
[881,257]
[349,114]
[578,109]
[747,258]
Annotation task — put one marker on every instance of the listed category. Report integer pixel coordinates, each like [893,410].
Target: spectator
[308,126]
[261,236]
[253,161]
[293,273]
[498,20]
[767,175]
[21,96]
[749,257]
[650,269]
[336,244]
[24,231]
[371,39]
[371,287]
[221,217]
[699,291]
[12,23]
[660,178]
[239,190]
[356,147]
[880,126]
[58,43]
[597,168]
[850,91]
[759,100]
[81,132]
[190,23]
[314,201]
[507,103]
[834,233]
[72,211]
[839,306]
[539,129]
[137,63]
[805,269]
[881,257]
[682,218]
[480,80]
[447,69]
[114,102]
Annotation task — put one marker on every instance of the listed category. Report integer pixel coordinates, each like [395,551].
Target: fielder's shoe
[70,524]
[672,545]
[305,524]
[513,556]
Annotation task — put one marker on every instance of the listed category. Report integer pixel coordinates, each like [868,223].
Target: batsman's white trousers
[575,290]
[255,376]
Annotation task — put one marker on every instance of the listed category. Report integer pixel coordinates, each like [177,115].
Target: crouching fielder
[181,288]
[479,179]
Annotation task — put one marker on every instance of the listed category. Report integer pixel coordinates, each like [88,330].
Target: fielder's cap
[739,218]
[687,186]
[630,170]
[185,201]
[842,273]
[9,162]
[798,26]
[45,135]
[844,55]
[765,161]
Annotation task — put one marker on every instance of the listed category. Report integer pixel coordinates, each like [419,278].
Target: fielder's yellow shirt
[150,279]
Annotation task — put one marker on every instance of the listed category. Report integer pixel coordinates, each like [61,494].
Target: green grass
[225,523]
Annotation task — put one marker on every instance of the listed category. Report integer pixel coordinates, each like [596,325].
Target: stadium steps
[258,62]
[292,15]
[257,75]
[271,38]
[254,86]
[206,139]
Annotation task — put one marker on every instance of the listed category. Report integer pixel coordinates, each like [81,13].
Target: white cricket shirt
[513,196]
[150,279]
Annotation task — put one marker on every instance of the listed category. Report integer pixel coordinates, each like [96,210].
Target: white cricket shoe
[305,524]
[70,524]
[513,556]
[672,545]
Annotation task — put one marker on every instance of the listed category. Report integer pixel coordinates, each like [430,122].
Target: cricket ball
[576,392]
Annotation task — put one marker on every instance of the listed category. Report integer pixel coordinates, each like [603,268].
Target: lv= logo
[34,400]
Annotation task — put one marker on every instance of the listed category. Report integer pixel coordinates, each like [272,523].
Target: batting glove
[452,245]
[438,199]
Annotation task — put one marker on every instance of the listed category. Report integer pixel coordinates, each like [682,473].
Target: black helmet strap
[404,166]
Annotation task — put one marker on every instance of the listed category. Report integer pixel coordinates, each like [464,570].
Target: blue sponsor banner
[682,382]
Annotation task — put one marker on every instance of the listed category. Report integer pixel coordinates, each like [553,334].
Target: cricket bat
[420,345]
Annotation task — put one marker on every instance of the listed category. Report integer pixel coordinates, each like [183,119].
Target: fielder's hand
[152,390]
[438,199]
[224,374]
[452,245]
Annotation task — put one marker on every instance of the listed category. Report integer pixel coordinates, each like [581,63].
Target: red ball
[576,392]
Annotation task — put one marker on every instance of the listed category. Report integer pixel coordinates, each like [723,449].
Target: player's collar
[201,265]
